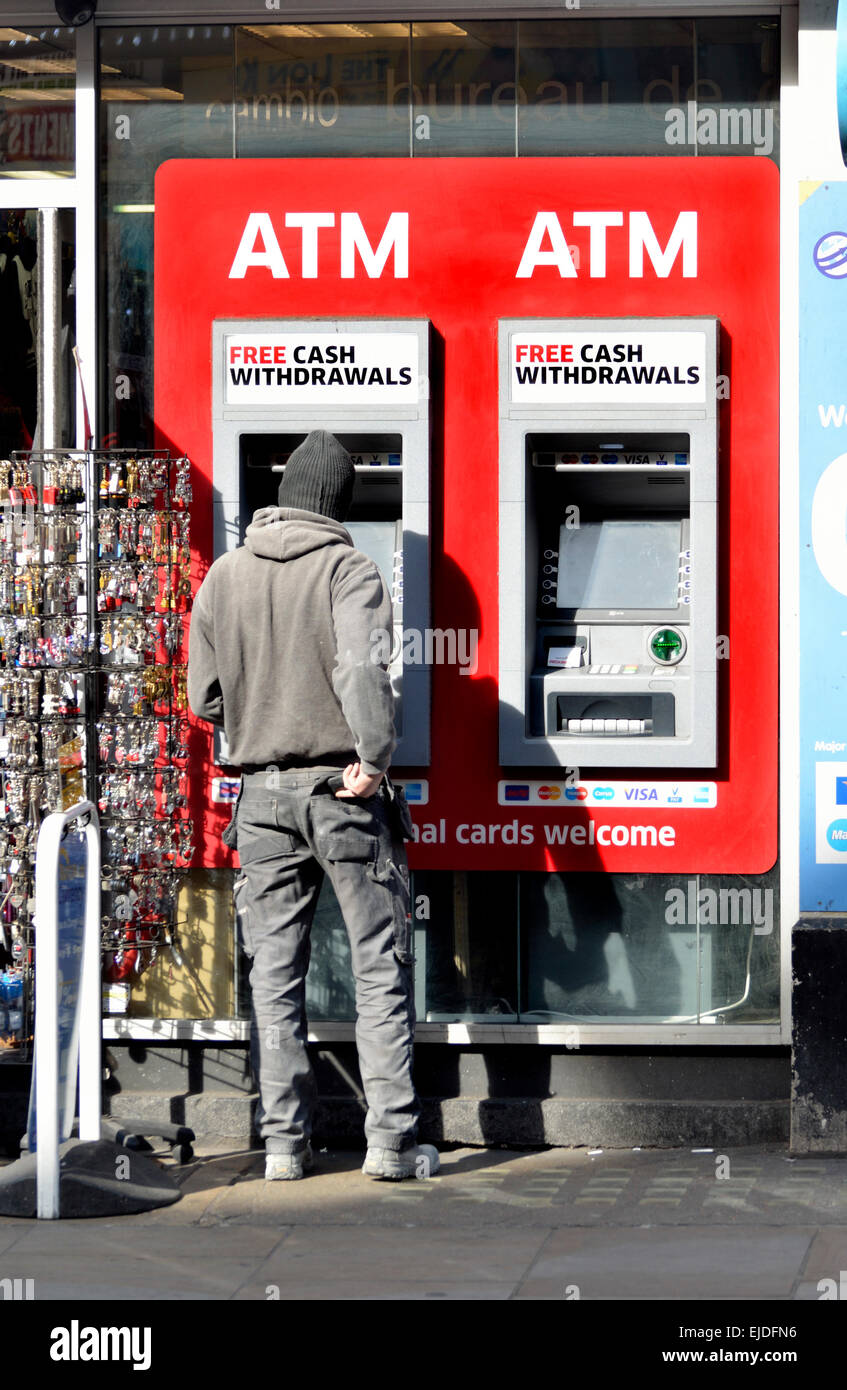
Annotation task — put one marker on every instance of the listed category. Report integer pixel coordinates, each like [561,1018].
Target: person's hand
[357,782]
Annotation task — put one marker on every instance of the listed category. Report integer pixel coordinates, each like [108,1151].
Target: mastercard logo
[549,793]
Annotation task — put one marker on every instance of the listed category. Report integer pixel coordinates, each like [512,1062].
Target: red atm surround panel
[469,221]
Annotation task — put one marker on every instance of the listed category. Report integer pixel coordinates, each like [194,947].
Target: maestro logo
[549,793]
[576,793]
[830,255]
[836,836]
[603,793]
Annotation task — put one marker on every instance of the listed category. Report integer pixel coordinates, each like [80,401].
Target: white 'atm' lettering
[642,238]
[259,247]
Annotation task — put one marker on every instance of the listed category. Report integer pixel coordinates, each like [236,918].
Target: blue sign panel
[71,883]
[822,652]
[841,74]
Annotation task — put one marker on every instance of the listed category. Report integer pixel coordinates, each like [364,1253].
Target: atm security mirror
[367,382]
[608,657]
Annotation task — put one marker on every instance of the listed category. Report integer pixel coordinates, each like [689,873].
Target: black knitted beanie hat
[319,477]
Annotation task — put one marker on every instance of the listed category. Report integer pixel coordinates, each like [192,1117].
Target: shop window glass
[463,88]
[321,89]
[737,87]
[330,986]
[603,86]
[739,947]
[581,947]
[37,93]
[20,248]
[466,945]
[660,948]
[166,93]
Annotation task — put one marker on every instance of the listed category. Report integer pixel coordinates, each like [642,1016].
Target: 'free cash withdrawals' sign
[281,369]
[581,368]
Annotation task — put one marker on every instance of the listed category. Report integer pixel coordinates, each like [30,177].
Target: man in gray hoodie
[281,652]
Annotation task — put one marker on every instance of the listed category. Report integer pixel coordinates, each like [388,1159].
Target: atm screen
[379,541]
[627,563]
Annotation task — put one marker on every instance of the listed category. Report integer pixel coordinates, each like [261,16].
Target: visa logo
[641,794]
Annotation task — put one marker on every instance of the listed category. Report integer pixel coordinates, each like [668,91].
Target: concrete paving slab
[806,1292]
[10,1233]
[660,1264]
[101,1277]
[414,1253]
[828,1256]
[384,1290]
[116,1241]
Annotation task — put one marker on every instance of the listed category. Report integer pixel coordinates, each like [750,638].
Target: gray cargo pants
[290,829]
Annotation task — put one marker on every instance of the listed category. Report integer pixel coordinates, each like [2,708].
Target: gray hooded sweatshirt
[281,647]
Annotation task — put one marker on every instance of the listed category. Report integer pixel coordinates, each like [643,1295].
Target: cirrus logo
[836,835]
[603,793]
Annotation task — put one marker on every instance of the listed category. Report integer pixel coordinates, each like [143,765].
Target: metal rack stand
[94,582]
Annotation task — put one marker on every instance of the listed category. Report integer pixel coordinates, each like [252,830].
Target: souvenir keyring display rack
[94,583]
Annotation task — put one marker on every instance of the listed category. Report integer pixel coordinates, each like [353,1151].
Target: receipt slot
[367,383]
[608,512]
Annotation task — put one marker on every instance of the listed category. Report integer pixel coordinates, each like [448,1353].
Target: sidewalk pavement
[626,1224]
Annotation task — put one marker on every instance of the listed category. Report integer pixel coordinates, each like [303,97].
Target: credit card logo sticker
[517,793]
[836,836]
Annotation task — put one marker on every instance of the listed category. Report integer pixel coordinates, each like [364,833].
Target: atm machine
[608,512]
[366,381]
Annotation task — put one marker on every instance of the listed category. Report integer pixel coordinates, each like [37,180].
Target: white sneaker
[420,1161]
[288,1167]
